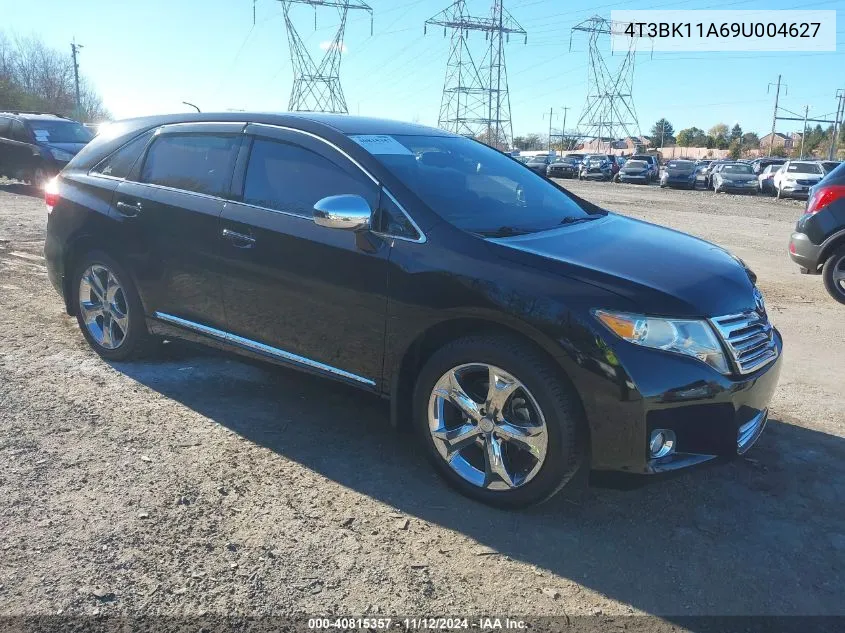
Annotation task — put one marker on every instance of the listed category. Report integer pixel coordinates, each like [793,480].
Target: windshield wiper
[571,219]
[502,231]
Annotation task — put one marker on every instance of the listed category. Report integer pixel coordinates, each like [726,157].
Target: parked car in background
[577,156]
[653,165]
[538,164]
[829,165]
[595,167]
[759,164]
[328,243]
[736,177]
[35,146]
[635,171]
[765,180]
[818,243]
[708,172]
[678,173]
[566,167]
[795,177]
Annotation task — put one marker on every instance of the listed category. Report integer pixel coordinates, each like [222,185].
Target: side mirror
[348,212]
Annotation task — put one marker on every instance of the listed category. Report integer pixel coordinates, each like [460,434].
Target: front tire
[833,273]
[108,307]
[498,422]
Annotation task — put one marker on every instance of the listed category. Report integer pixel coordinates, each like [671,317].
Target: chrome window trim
[177,190]
[422,237]
[261,348]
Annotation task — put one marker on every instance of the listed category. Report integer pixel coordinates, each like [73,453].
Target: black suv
[818,243]
[520,330]
[35,146]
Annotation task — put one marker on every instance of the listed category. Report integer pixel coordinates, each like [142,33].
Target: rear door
[169,211]
[315,296]
[20,158]
[5,144]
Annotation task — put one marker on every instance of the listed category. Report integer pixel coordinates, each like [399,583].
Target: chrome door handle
[129,210]
[239,240]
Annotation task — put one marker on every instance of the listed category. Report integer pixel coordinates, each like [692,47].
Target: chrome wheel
[487,426]
[103,306]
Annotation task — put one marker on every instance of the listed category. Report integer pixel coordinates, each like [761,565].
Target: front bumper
[803,252]
[749,187]
[639,179]
[677,182]
[795,189]
[711,415]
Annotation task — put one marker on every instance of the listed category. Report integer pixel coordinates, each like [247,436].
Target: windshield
[736,169]
[472,186]
[829,166]
[636,164]
[804,168]
[680,164]
[60,131]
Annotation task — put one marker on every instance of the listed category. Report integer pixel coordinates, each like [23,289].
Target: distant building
[780,140]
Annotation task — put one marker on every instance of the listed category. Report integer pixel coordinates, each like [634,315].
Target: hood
[71,148]
[664,272]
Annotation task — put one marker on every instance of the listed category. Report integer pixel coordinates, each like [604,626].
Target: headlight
[681,336]
[61,155]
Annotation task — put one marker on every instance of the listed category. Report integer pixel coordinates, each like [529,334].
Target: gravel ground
[196,482]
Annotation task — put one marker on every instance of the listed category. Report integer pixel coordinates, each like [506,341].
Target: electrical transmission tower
[475,98]
[316,87]
[609,112]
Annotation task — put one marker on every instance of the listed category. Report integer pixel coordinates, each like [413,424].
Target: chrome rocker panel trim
[261,348]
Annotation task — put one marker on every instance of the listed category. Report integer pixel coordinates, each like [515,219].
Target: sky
[148,56]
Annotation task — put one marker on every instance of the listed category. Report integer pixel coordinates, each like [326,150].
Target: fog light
[662,443]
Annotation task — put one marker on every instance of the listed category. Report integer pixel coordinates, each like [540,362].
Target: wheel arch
[403,378]
[831,244]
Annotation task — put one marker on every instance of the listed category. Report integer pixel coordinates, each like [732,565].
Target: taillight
[824,196]
[51,194]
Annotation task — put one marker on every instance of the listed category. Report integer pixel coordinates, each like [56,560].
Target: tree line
[34,76]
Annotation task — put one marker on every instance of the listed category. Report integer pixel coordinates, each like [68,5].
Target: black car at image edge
[521,331]
[818,243]
[35,146]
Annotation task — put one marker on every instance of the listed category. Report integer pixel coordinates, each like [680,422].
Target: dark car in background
[736,177]
[566,167]
[829,165]
[759,164]
[520,330]
[596,167]
[707,173]
[538,164]
[818,243]
[635,171]
[678,173]
[653,165]
[35,146]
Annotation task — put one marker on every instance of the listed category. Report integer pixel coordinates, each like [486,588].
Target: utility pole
[662,132]
[774,114]
[804,131]
[74,47]
[837,122]
[551,117]
[563,130]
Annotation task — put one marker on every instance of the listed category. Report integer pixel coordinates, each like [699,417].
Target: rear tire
[537,463]
[833,273]
[115,328]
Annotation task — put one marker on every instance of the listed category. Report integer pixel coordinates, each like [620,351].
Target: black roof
[343,123]
[33,115]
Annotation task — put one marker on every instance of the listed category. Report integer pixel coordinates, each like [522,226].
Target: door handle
[129,210]
[239,240]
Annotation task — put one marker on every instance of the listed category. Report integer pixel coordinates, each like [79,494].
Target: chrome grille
[749,337]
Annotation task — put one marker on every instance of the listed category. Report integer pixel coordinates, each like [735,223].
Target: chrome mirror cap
[348,212]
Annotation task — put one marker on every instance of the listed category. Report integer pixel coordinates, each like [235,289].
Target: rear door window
[120,162]
[290,178]
[19,133]
[202,163]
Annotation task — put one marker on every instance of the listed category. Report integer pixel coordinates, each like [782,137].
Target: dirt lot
[197,482]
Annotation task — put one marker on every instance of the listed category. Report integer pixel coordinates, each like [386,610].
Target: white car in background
[795,177]
[765,180]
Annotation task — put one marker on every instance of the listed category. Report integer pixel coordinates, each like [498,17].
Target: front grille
[750,339]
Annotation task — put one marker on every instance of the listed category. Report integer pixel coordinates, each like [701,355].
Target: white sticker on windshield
[381,144]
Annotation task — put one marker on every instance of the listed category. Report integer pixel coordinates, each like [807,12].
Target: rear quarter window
[121,161]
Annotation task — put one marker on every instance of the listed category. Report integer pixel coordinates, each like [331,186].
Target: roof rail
[61,116]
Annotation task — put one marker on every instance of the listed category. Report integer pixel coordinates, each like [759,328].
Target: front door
[315,296]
